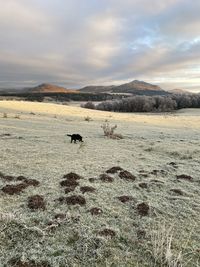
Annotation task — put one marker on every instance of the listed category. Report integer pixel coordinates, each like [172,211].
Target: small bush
[88,119]
[5,115]
[109,131]
[17,116]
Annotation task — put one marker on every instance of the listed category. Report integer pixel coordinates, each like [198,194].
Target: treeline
[63,97]
[148,103]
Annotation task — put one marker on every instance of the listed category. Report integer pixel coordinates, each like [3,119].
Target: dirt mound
[114,170]
[69,189]
[143,209]
[184,177]
[127,176]
[107,232]
[72,176]
[125,199]
[30,182]
[73,200]
[14,189]
[89,189]
[36,202]
[69,183]
[106,178]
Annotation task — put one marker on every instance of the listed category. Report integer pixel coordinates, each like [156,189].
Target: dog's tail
[69,135]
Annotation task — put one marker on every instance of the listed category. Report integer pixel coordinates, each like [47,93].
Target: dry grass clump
[88,118]
[109,131]
[17,116]
[5,115]
[36,202]
[163,250]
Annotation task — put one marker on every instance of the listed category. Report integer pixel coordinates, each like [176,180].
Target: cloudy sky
[80,42]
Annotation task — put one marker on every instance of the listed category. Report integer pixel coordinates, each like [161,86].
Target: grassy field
[145,214]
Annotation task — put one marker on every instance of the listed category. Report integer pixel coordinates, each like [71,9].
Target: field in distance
[63,204]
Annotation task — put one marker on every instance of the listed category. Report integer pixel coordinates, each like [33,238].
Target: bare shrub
[109,131]
[17,116]
[5,115]
[88,118]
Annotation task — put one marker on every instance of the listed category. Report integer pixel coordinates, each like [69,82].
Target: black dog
[75,137]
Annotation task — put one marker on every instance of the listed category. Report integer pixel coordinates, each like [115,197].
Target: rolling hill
[135,87]
[49,88]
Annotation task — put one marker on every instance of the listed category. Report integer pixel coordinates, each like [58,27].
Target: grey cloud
[74,43]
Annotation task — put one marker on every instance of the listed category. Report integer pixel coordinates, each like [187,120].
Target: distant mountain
[96,89]
[49,88]
[135,87]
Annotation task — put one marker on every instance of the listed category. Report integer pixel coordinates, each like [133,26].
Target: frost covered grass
[107,229]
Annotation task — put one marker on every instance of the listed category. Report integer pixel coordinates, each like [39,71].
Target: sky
[73,43]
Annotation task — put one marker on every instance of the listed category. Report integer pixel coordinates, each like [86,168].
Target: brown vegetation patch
[72,176]
[127,176]
[125,199]
[107,232]
[177,191]
[19,263]
[143,185]
[75,200]
[14,189]
[143,209]
[114,170]
[95,211]
[184,177]
[69,189]
[89,189]
[106,178]
[69,183]
[36,202]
